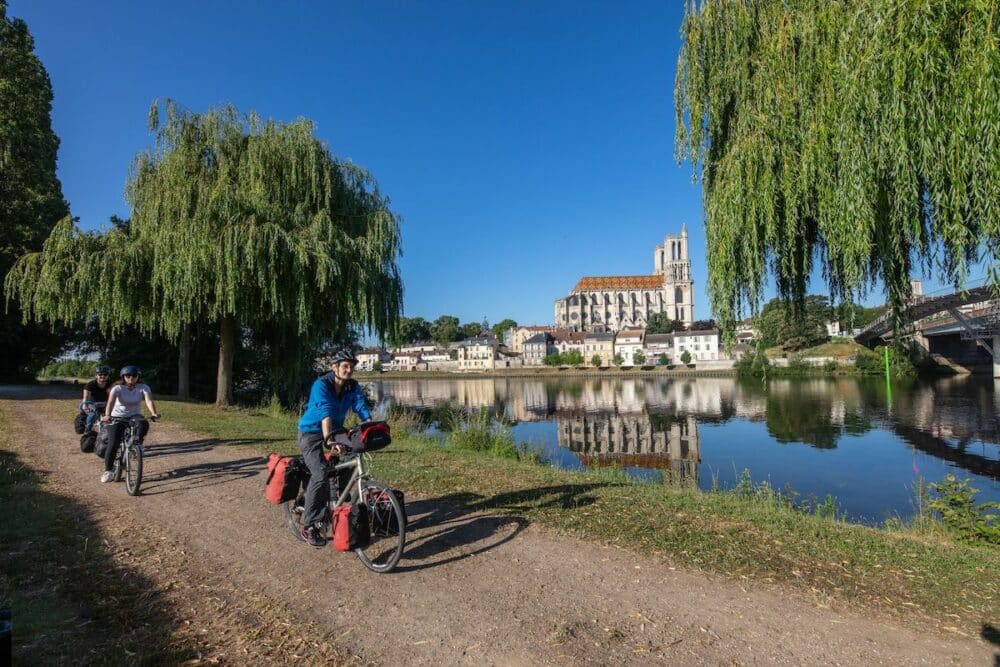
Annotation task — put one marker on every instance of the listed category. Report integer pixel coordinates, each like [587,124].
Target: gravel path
[471,588]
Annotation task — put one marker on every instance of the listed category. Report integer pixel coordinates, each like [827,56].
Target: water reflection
[678,426]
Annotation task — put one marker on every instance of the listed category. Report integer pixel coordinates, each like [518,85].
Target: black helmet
[343,355]
[102,370]
[130,370]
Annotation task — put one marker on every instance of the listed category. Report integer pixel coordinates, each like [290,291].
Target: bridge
[981,325]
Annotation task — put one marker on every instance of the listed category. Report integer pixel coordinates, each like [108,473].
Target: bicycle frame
[357,477]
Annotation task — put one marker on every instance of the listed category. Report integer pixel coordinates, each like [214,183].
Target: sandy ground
[470,588]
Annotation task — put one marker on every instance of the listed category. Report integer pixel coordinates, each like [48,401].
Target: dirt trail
[471,588]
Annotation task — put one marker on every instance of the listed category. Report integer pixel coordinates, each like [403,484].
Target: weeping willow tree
[250,224]
[863,135]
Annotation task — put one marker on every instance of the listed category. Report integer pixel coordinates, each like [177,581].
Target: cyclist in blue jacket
[330,398]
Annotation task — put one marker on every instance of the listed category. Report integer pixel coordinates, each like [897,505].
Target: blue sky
[524,144]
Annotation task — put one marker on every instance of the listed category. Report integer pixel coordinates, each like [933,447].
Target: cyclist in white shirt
[125,402]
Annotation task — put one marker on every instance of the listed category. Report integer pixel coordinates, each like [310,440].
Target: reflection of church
[633,440]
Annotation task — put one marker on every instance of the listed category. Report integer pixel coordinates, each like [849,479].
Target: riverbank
[750,534]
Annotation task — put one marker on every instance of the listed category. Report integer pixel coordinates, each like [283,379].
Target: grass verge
[749,535]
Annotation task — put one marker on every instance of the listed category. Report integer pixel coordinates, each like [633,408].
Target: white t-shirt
[128,402]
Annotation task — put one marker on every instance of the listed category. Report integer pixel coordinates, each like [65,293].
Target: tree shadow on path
[455,522]
[991,634]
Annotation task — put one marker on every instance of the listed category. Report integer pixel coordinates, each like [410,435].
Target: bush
[685,357]
[955,502]
[753,364]
[70,368]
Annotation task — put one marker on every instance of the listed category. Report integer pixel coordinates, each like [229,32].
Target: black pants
[318,489]
[115,432]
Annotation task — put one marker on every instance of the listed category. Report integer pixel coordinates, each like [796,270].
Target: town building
[477,354]
[701,345]
[627,343]
[371,358]
[515,336]
[658,344]
[613,303]
[601,345]
[535,349]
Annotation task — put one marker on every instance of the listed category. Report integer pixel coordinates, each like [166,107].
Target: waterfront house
[657,344]
[535,349]
[477,354]
[370,356]
[627,343]
[601,344]
[701,345]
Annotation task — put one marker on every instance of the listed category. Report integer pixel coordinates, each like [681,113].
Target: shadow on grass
[452,527]
[71,603]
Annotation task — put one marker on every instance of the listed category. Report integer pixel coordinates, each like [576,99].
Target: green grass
[752,534]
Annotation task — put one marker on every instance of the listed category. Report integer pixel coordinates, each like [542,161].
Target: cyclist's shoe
[107,476]
[313,536]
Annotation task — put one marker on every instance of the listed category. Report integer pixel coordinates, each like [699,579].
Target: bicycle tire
[385,546]
[294,509]
[133,469]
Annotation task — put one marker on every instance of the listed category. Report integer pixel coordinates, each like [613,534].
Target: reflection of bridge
[982,325]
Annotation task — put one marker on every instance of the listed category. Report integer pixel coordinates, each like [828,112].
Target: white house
[368,357]
[404,361]
[701,345]
[627,343]
[657,344]
[477,354]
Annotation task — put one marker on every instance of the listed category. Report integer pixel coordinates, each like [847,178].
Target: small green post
[888,385]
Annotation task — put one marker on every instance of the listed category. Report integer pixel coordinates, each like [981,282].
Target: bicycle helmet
[343,355]
[130,370]
[102,370]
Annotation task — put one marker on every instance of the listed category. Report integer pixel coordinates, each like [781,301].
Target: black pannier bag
[80,422]
[384,520]
[103,440]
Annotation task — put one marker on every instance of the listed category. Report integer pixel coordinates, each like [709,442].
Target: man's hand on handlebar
[335,446]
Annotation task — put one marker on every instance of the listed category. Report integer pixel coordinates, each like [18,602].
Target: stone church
[613,303]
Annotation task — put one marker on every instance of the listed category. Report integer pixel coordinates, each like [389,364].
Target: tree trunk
[227,346]
[184,363]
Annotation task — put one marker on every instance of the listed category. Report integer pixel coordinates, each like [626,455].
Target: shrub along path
[474,586]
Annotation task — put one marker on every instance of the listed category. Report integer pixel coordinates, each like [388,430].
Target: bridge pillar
[996,356]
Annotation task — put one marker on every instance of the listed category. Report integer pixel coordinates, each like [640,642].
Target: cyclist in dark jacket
[330,399]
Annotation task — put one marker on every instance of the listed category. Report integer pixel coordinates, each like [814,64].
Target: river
[846,437]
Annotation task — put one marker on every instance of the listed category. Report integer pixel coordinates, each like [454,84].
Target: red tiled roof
[589,283]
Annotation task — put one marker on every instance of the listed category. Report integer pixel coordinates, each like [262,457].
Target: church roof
[590,283]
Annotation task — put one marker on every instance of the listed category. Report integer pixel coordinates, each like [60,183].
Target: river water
[847,437]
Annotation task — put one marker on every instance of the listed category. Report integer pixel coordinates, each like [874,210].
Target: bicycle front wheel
[133,469]
[388,528]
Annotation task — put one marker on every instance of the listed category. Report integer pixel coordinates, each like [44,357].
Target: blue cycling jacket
[324,402]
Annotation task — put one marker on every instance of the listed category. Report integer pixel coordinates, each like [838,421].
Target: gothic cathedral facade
[613,303]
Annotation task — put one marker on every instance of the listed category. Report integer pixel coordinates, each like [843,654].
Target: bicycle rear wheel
[388,528]
[133,469]
[294,510]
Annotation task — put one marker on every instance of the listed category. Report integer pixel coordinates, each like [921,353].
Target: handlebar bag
[80,422]
[284,478]
[374,436]
[351,529]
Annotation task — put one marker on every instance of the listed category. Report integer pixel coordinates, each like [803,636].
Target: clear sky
[525,144]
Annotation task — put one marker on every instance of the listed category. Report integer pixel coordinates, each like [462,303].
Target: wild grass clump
[480,431]
[406,423]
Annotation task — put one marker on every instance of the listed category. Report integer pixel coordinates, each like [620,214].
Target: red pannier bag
[284,478]
[351,529]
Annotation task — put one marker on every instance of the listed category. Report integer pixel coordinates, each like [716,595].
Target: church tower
[671,260]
